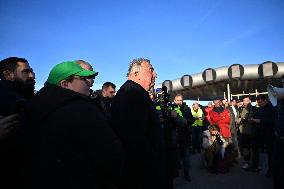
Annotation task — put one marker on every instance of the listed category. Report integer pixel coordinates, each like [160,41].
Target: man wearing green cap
[71,76]
[69,143]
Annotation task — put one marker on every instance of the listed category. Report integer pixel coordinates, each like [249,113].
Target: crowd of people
[68,136]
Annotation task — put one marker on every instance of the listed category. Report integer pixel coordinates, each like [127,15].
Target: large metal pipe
[250,72]
[197,80]
[280,72]
[177,85]
[245,74]
[222,74]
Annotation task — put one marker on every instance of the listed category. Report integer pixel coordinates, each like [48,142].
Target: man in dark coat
[68,143]
[183,120]
[136,122]
[16,87]
[278,150]
[104,99]
[263,129]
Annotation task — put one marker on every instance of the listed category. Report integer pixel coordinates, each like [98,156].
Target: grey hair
[83,62]
[135,65]
[179,95]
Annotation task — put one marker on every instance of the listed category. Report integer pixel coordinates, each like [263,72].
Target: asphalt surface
[236,178]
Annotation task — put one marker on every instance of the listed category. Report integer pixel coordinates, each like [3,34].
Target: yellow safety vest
[199,113]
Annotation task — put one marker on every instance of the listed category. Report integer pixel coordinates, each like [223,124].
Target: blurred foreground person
[135,120]
[68,143]
[278,150]
[16,87]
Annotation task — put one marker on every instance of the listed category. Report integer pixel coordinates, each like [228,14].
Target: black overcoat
[135,120]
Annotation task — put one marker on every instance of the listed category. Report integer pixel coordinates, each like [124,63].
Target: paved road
[235,179]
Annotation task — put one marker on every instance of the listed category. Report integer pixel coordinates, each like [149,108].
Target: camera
[219,140]
[163,100]
[163,97]
[244,120]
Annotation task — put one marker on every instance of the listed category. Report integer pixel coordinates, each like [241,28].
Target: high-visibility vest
[199,113]
[178,111]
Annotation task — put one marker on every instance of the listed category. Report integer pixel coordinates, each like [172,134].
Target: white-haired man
[135,120]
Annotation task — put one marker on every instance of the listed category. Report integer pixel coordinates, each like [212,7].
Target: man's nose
[32,75]
[90,82]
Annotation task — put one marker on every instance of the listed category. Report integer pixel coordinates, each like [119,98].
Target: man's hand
[7,124]
[239,120]
[173,114]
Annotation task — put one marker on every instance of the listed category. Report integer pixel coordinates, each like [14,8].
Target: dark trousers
[254,154]
[196,138]
[184,158]
[269,151]
[245,145]
[250,150]
[278,164]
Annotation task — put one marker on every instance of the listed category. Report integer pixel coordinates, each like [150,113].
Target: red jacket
[222,120]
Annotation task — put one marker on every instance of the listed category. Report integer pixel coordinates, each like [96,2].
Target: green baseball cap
[66,69]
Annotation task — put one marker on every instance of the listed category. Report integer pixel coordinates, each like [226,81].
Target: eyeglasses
[80,78]
[85,79]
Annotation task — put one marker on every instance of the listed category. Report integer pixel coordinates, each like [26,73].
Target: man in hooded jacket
[68,143]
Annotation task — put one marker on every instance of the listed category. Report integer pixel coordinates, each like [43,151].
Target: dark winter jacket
[266,126]
[68,143]
[183,128]
[11,102]
[104,104]
[135,120]
[279,118]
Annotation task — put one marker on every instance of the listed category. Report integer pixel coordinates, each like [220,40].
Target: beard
[25,88]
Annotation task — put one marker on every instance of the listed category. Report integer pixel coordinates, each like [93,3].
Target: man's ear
[9,75]
[63,84]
